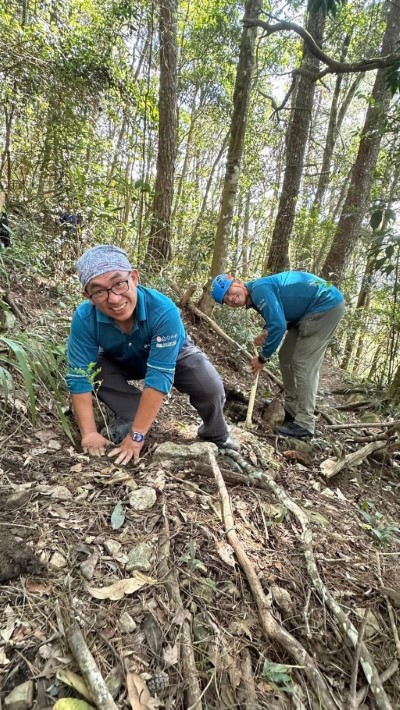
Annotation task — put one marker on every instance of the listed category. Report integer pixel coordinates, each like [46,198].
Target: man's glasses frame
[102,294]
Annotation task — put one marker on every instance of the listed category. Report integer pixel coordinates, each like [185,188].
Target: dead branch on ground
[330,468]
[89,669]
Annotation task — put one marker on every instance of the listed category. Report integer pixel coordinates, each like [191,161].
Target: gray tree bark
[296,142]
[358,195]
[159,245]
[241,97]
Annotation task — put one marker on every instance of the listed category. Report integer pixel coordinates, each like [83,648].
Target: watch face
[136,436]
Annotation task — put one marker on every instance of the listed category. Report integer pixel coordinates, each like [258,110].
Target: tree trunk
[241,97]
[296,142]
[357,200]
[159,246]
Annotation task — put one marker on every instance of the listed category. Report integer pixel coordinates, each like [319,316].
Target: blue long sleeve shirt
[285,298]
[148,352]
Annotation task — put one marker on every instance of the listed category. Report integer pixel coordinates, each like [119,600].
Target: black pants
[194,375]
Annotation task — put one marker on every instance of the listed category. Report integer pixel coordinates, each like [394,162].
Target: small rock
[57,561]
[199,451]
[273,414]
[283,599]
[143,498]
[112,547]
[126,623]
[55,492]
[21,698]
[139,557]
[88,566]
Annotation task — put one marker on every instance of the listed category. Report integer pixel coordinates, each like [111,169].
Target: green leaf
[20,354]
[117,517]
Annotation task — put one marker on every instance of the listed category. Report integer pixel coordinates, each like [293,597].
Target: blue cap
[220,285]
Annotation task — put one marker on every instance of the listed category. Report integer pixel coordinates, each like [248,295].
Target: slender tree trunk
[296,142]
[182,177]
[356,203]
[159,245]
[245,237]
[241,97]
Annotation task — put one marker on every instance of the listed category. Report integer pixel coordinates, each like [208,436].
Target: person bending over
[308,310]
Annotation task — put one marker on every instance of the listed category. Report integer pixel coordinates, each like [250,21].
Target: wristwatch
[136,436]
[262,359]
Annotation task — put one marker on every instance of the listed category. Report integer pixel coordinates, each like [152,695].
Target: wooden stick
[271,628]
[386,675]
[366,425]
[89,669]
[354,674]
[389,606]
[330,468]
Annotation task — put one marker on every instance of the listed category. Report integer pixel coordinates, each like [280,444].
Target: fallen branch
[364,425]
[386,675]
[170,579]
[348,629]
[270,626]
[353,705]
[13,306]
[331,468]
[247,694]
[364,404]
[87,665]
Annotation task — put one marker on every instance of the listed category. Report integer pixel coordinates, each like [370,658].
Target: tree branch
[332,65]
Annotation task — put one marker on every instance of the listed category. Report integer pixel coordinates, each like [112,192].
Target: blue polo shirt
[148,352]
[283,299]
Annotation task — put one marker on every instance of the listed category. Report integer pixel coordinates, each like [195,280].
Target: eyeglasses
[102,294]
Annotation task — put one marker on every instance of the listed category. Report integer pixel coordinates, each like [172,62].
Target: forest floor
[138,558]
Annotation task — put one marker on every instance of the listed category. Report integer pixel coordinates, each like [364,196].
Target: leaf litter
[133,623]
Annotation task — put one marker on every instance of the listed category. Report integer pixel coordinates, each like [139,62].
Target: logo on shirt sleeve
[166,341]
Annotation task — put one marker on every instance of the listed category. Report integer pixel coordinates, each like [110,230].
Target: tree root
[270,626]
[170,579]
[366,660]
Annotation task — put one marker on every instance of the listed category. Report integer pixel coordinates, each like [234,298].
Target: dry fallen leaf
[138,692]
[3,658]
[37,587]
[77,468]
[124,586]
[170,655]
[72,704]
[75,681]
[225,551]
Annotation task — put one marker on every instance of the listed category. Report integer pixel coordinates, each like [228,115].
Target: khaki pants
[300,356]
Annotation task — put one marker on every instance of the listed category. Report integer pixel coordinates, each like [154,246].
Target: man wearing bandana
[122,332]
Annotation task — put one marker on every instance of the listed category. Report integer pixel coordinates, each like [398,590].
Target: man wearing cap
[124,332]
[308,310]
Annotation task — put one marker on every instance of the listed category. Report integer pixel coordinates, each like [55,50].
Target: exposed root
[270,626]
[89,669]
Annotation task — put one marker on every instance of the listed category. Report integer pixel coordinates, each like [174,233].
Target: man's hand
[259,339]
[256,365]
[94,443]
[127,450]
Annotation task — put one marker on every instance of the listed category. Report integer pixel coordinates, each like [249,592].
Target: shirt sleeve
[167,339]
[275,321]
[82,354]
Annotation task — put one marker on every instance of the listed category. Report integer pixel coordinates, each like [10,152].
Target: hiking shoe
[289,418]
[117,429]
[228,443]
[294,430]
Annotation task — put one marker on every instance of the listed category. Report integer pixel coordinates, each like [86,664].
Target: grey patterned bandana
[99,260]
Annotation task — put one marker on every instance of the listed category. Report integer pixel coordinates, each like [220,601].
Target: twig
[270,626]
[354,673]
[170,578]
[89,669]
[389,606]
[305,614]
